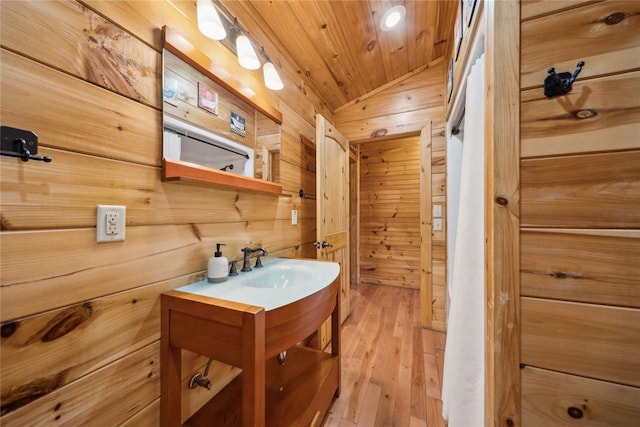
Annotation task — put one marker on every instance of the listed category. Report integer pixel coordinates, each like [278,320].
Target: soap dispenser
[218,267]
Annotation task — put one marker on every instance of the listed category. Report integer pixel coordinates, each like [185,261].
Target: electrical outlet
[437,211]
[110,223]
[294,217]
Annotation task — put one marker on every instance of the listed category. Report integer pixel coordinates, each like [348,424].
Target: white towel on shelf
[171,146]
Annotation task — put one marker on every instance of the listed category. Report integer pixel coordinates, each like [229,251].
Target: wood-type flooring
[391,366]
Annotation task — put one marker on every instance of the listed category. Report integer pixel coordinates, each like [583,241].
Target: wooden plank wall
[80,320]
[390,212]
[398,110]
[401,107]
[580,215]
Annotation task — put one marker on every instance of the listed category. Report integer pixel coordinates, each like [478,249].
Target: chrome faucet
[246,265]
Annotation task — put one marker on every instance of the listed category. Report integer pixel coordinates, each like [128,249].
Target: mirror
[209,126]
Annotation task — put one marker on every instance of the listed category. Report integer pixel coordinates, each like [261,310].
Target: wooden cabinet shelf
[176,170]
[298,393]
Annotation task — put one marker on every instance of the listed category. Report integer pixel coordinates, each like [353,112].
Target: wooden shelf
[176,170]
[302,388]
[297,393]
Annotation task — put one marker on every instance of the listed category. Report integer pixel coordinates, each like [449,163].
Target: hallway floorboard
[391,367]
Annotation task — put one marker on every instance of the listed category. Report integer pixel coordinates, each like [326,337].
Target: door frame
[426,276]
[426,241]
[354,213]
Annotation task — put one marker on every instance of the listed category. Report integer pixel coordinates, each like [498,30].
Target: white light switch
[437,225]
[437,211]
[110,223]
[294,217]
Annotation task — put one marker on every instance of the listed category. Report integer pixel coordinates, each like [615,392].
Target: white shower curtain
[463,382]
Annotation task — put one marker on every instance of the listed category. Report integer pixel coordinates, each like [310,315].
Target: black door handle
[324,244]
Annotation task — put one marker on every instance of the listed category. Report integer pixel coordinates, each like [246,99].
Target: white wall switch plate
[111,223]
[437,211]
[437,225]
[294,217]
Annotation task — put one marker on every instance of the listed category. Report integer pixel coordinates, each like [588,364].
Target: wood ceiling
[337,47]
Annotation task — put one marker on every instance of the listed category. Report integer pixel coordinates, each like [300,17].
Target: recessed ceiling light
[392,17]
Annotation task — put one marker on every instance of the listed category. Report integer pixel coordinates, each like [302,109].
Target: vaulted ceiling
[337,47]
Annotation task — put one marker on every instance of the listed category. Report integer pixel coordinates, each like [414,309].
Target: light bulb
[392,17]
[246,55]
[271,77]
[209,22]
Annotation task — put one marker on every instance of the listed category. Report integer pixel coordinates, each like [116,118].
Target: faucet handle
[258,262]
[234,269]
[246,266]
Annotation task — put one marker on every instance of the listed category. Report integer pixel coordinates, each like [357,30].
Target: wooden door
[332,206]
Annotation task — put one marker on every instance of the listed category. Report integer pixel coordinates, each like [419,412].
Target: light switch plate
[294,217]
[437,225]
[111,223]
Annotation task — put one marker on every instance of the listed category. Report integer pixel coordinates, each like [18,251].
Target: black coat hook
[20,143]
[559,84]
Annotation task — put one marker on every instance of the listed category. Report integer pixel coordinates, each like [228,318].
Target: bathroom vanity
[225,322]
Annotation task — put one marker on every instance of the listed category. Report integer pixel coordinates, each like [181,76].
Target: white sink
[280,282]
[280,275]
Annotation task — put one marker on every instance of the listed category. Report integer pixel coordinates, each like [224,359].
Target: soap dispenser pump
[218,267]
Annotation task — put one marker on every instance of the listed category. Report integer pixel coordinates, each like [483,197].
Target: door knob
[323,244]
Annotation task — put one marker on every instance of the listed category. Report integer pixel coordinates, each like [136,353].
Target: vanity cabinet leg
[253,370]
[170,374]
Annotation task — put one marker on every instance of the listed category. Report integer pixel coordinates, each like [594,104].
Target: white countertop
[280,282]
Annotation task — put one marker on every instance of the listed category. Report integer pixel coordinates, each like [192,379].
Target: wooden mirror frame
[176,170]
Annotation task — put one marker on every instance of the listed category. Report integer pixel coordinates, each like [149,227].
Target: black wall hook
[20,143]
[559,84]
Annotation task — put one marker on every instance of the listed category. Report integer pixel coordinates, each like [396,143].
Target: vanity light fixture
[271,77]
[209,22]
[246,55]
[215,22]
[392,17]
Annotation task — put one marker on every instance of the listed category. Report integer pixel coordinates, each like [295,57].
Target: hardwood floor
[391,367]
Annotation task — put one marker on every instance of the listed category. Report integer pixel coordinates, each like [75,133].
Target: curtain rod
[456,129]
